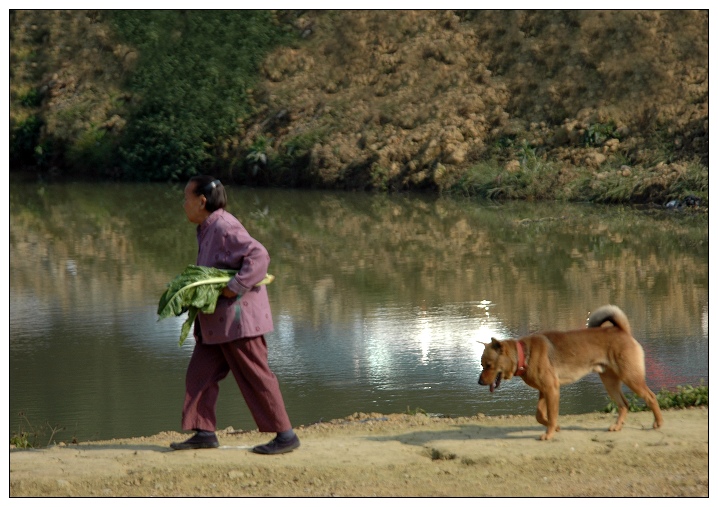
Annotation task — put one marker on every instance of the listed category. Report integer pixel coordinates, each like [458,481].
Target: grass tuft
[680,397]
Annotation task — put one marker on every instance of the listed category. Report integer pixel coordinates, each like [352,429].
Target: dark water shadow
[112,447]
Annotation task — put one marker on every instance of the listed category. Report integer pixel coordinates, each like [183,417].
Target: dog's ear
[495,344]
[504,347]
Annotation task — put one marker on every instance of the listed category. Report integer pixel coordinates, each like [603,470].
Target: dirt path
[392,455]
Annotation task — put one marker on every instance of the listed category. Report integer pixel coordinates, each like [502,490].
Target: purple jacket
[225,243]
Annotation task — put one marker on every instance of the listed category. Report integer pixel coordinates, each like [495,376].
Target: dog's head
[496,364]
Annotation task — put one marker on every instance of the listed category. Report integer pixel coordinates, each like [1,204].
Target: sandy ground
[392,456]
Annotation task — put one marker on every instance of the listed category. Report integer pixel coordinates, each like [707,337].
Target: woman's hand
[228,293]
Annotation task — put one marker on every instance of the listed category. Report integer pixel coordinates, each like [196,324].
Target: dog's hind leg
[613,385]
[633,374]
[639,387]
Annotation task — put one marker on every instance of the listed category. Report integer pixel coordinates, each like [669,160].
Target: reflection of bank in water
[661,376]
[379,301]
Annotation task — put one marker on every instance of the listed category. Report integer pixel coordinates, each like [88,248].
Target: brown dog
[548,360]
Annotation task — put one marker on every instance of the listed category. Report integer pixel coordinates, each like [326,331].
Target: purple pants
[246,358]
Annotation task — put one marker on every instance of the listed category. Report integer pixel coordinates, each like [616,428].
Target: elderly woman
[231,338]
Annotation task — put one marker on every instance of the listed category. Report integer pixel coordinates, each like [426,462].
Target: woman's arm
[254,260]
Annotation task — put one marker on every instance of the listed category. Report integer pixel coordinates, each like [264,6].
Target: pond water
[379,300]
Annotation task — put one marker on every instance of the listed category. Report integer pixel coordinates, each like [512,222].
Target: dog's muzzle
[494,384]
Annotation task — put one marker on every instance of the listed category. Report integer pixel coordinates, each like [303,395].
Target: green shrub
[535,178]
[693,181]
[24,138]
[598,133]
[683,397]
[680,397]
[92,152]
[33,98]
[481,180]
[288,166]
[28,436]
[191,83]
[21,440]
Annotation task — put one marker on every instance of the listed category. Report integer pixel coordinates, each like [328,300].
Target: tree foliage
[191,84]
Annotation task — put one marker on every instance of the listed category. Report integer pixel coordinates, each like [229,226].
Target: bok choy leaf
[195,290]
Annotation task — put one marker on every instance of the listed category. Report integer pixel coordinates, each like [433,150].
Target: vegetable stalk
[196,290]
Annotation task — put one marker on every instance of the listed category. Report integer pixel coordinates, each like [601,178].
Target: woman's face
[194,205]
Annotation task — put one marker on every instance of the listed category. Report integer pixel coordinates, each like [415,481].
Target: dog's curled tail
[612,314]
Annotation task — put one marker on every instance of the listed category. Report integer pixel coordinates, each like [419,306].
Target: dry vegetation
[589,104]
[420,96]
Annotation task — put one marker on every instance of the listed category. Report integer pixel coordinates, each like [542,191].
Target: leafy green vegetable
[195,290]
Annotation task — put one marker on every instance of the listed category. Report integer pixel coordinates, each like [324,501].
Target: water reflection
[380,302]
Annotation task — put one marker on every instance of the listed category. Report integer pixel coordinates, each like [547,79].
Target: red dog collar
[521,366]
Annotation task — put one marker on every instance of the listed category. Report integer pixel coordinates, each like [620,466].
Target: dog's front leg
[541,416]
[551,399]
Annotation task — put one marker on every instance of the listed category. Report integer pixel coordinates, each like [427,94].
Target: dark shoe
[277,446]
[196,442]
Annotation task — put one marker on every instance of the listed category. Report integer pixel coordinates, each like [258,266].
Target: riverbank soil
[396,455]
[587,104]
